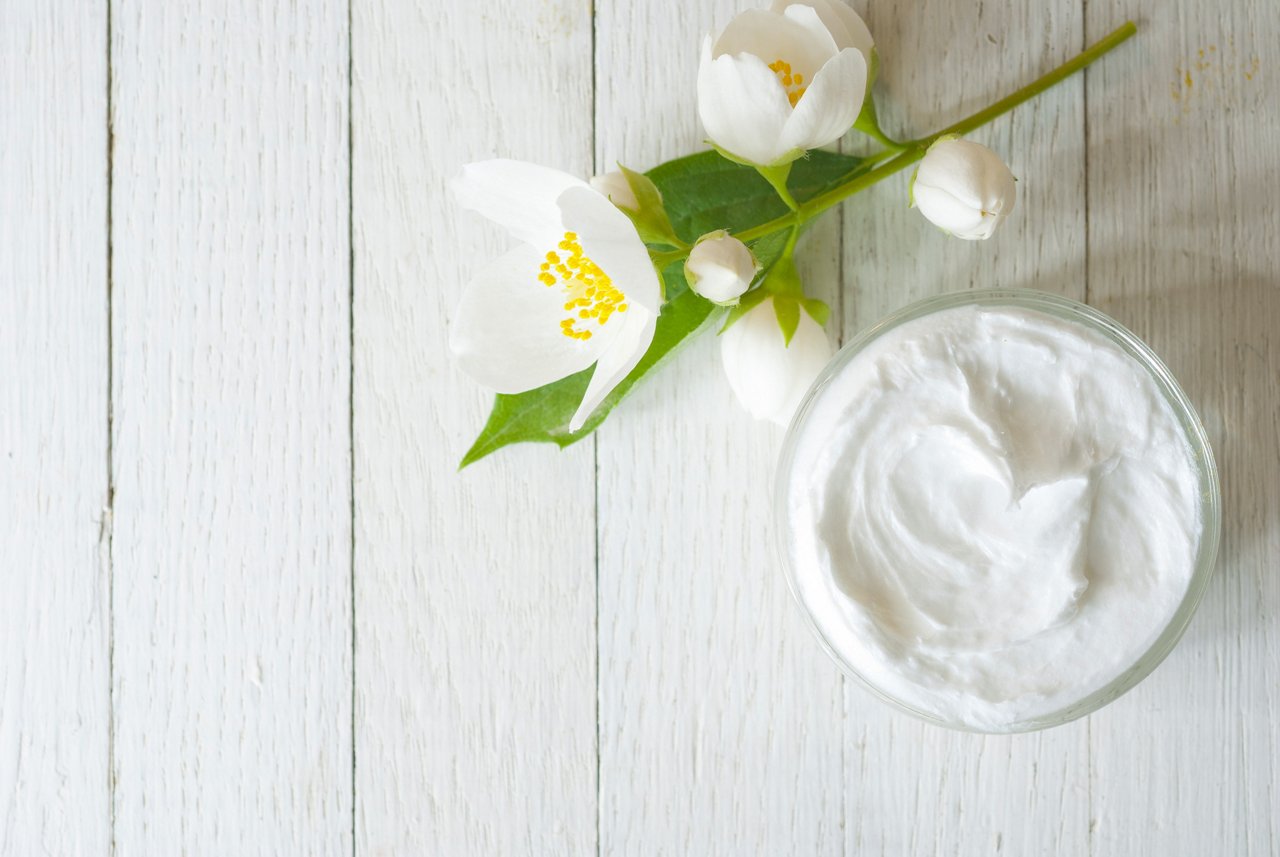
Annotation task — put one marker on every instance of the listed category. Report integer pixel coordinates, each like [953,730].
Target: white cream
[993,513]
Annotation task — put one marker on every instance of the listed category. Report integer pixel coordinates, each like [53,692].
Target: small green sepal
[788,312]
[785,160]
[650,217]
[817,310]
[783,279]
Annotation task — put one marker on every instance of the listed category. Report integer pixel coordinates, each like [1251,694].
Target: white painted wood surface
[1184,248]
[294,629]
[717,711]
[54,614]
[231,548]
[475,600]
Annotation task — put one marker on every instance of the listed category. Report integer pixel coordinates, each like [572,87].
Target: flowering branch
[613,277]
[909,153]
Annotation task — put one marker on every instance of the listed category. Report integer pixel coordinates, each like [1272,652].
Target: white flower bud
[720,268]
[964,188]
[615,186]
[768,376]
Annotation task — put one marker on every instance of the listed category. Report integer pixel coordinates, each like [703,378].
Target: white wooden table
[250,608]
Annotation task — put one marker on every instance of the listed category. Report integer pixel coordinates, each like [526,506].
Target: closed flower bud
[768,376]
[720,268]
[964,188]
[615,186]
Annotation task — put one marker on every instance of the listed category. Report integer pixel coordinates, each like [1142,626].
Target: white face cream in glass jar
[997,509]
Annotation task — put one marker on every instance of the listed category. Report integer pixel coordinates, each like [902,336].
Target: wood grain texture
[1183,249]
[915,788]
[555,653]
[232,612]
[53,429]
[719,717]
[475,591]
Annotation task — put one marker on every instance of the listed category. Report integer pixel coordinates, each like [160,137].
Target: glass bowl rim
[1202,453]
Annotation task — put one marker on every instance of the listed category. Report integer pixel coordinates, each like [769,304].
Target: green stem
[885,140]
[662,260]
[789,248]
[776,176]
[868,123]
[915,150]
[883,155]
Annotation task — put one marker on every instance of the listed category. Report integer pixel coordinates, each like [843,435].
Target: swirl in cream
[993,512]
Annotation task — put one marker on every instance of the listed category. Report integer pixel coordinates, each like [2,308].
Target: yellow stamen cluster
[793,83]
[588,290]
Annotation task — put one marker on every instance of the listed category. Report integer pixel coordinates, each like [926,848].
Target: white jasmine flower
[845,26]
[579,289]
[783,80]
[720,268]
[964,188]
[768,376]
[615,186]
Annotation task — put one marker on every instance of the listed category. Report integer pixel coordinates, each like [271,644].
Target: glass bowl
[1070,310]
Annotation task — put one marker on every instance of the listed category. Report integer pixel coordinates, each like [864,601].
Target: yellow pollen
[588,291]
[792,82]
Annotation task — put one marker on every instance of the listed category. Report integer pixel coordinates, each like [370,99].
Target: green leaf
[542,415]
[701,193]
[706,192]
[769,249]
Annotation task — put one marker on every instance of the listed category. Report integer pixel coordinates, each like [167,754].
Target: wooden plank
[232,611]
[913,788]
[719,717]
[54,712]
[1183,249]
[475,591]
